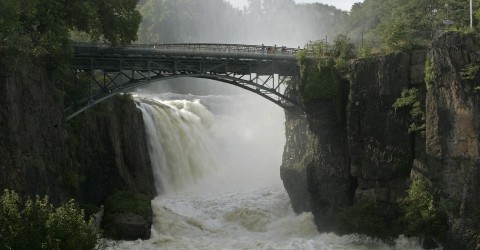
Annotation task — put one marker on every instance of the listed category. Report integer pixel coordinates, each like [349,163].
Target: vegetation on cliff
[421,214]
[424,214]
[322,66]
[36,224]
[127,215]
[410,98]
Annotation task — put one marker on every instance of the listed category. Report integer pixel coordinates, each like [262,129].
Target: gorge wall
[452,157]
[109,151]
[32,136]
[100,152]
[373,156]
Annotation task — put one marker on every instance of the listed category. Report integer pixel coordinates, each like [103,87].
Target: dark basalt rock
[380,146]
[33,156]
[89,158]
[452,136]
[372,155]
[109,147]
[297,154]
[127,216]
[128,226]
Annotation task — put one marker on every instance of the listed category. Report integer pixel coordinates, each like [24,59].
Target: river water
[216,162]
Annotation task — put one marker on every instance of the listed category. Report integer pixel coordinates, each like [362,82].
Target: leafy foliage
[396,35]
[42,27]
[397,25]
[410,98]
[319,65]
[343,50]
[36,224]
[470,71]
[318,82]
[424,214]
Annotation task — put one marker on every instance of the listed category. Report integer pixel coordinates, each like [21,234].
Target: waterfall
[240,205]
[179,140]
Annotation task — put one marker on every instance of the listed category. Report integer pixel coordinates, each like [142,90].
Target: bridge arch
[100,72]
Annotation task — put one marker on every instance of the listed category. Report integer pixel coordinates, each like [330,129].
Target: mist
[269,22]
[250,129]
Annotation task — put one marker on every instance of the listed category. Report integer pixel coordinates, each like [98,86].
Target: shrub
[424,215]
[470,71]
[410,98]
[318,82]
[36,224]
[366,218]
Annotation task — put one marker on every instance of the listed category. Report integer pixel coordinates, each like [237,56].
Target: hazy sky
[341,4]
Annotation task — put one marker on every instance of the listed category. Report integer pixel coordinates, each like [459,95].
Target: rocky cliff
[90,157]
[374,155]
[109,151]
[452,134]
[297,154]
[381,150]
[33,155]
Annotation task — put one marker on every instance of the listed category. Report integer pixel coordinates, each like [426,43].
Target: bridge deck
[246,59]
[100,71]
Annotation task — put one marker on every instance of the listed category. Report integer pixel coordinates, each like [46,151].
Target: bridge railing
[204,47]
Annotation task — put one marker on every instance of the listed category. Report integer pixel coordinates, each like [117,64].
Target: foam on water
[220,190]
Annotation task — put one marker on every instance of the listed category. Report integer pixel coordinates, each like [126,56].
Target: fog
[269,22]
[251,130]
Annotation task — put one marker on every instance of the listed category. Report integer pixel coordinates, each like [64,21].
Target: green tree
[43,26]
[36,224]
[396,35]
[342,50]
[401,24]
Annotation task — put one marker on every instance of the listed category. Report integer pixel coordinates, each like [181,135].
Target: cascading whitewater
[180,142]
[241,205]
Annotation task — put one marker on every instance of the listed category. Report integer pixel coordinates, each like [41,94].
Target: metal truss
[100,72]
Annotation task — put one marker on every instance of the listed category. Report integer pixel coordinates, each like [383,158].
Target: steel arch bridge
[100,72]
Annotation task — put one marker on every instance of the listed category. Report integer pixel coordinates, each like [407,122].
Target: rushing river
[218,172]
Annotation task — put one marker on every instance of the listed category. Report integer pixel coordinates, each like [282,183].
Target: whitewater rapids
[218,175]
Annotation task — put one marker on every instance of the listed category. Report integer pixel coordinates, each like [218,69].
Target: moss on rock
[127,216]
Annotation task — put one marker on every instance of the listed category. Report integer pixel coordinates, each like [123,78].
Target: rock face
[329,182]
[380,147]
[367,153]
[297,154]
[110,151]
[127,216]
[128,226]
[88,158]
[33,155]
[372,156]
[452,135]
